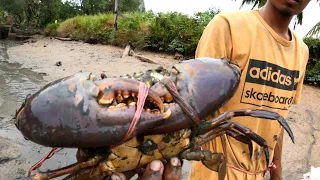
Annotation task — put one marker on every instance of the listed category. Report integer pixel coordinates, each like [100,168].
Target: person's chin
[287,11]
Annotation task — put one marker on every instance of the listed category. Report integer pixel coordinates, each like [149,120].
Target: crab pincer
[64,113]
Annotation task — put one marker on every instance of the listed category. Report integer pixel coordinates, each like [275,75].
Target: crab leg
[267,115]
[213,161]
[253,113]
[242,138]
[238,132]
[226,128]
[217,161]
[69,169]
[86,174]
[222,125]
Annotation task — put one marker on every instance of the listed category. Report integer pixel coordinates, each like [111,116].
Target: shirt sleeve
[216,41]
[297,97]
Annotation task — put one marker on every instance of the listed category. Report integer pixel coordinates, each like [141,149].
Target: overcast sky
[311,15]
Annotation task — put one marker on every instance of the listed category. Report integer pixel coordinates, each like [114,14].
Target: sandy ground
[42,55]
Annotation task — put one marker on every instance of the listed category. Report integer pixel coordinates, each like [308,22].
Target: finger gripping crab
[123,123]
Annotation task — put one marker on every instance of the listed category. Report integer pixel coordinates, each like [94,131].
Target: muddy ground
[39,56]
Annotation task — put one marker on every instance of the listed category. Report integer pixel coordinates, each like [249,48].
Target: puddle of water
[16,82]
[19,154]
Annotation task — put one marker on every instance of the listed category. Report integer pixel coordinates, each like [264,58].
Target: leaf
[314,31]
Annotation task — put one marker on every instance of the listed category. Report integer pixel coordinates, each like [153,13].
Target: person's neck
[278,22]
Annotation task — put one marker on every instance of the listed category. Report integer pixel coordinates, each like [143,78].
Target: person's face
[289,7]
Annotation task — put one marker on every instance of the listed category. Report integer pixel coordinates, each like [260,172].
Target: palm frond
[314,31]
[260,3]
[298,20]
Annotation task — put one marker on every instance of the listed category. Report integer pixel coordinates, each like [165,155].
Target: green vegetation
[134,29]
[86,28]
[167,32]
[32,14]
[313,67]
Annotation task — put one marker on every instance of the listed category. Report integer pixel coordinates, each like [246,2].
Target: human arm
[276,174]
[298,94]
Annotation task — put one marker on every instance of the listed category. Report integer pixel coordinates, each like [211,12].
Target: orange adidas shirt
[272,77]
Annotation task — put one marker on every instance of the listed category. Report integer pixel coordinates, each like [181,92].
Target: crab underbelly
[136,153]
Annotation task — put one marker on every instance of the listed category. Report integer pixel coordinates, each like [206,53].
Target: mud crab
[122,123]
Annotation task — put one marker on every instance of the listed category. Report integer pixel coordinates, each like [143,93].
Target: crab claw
[68,111]
[87,111]
[201,86]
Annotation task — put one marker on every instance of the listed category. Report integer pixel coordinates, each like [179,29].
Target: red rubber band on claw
[142,95]
[39,163]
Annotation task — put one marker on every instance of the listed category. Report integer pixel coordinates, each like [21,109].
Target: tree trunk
[92,9]
[116,15]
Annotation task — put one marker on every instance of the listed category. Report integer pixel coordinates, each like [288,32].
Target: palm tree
[298,19]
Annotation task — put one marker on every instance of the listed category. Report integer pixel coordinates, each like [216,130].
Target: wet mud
[16,154]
